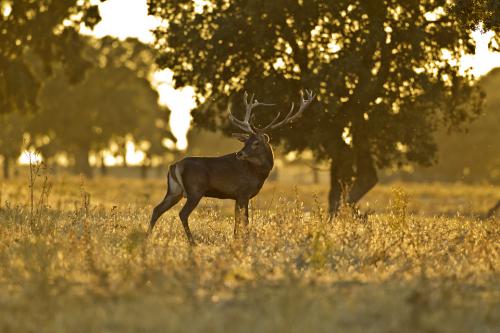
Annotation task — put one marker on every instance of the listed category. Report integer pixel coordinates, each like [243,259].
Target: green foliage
[47,28]
[377,67]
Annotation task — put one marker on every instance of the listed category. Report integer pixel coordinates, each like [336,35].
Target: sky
[129,18]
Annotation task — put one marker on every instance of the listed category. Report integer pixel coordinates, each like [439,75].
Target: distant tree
[203,142]
[140,58]
[149,134]
[13,127]
[114,101]
[47,28]
[383,71]
[472,155]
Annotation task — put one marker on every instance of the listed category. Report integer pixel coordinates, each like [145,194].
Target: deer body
[238,176]
[224,177]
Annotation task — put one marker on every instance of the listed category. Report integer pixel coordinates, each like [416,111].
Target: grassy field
[74,258]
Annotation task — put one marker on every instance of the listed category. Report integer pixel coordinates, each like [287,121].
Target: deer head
[255,139]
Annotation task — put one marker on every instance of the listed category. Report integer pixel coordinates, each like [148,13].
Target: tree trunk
[124,157]
[51,165]
[104,168]
[365,179]
[315,175]
[352,175]
[341,177]
[356,172]
[144,168]
[366,174]
[6,167]
[82,165]
[124,154]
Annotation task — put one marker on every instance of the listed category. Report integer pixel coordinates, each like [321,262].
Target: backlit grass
[78,261]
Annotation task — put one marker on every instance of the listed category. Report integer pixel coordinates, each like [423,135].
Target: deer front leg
[245,220]
[240,213]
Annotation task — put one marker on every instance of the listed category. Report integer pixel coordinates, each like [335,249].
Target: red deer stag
[238,176]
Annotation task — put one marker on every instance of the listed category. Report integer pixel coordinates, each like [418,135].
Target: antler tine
[245,98]
[250,104]
[242,125]
[248,107]
[303,105]
[309,93]
[290,117]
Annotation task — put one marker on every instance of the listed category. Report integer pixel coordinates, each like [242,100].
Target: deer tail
[175,183]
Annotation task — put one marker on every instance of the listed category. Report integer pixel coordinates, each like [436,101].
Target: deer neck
[263,164]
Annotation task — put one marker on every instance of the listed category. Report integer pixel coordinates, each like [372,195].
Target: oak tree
[385,71]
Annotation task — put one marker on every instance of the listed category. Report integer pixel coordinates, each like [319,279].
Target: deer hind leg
[189,206]
[173,196]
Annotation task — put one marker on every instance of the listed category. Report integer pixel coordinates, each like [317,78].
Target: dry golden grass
[78,261]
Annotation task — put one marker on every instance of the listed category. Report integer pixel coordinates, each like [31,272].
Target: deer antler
[245,124]
[290,117]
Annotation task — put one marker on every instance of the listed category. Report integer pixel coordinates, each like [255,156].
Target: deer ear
[243,137]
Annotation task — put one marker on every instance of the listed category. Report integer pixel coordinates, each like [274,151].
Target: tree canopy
[47,28]
[476,13]
[386,73]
